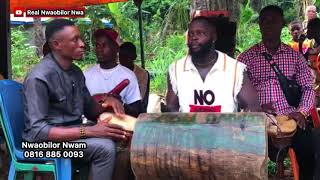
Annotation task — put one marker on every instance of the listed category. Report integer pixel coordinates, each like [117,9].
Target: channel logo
[18,12]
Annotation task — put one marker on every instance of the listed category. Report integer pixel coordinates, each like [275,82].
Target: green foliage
[88,60]
[285,35]
[317,3]
[126,20]
[177,17]
[23,55]
[164,23]
[95,14]
[272,166]
[248,32]
[290,10]
[173,49]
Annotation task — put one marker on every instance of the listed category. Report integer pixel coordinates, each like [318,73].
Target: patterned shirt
[293,66]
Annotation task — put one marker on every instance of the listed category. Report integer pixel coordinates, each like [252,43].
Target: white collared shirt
[220,88]
[100,80]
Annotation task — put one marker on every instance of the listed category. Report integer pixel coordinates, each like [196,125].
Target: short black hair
[51,28]
[314,23]
[272,8]
[295,22]
[56,25]
[205,20]
[128,46]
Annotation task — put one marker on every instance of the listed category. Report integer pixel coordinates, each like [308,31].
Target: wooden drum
[194,146]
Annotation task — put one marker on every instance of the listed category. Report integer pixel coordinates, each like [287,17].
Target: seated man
[207,79]
[107,74]
[127,56]
[294,67]
[55,98]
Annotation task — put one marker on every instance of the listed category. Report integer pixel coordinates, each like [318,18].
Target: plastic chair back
[12,112]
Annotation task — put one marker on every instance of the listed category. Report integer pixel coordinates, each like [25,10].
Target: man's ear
[56,44]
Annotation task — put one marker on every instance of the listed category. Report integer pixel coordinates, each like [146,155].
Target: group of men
[57,94]
[223,84]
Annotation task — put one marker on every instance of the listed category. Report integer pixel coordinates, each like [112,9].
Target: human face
[68,43]
[105,50]
[296,31]
[200,38]
[271,24]
[311,13]
[127,58]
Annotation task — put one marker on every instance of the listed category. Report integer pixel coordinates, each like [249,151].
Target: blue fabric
[13,120]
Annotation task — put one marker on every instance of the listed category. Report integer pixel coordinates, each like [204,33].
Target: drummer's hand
[300,119]
[115,104]
[107,130]
[268,108]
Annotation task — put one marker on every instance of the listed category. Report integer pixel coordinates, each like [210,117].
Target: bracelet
[82,132]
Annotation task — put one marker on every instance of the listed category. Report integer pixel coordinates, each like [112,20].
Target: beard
[203,50]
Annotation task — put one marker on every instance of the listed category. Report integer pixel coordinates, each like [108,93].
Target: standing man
[314,33]
[107,74]
[55,97]
[299,41]
[293,65]
[314,30]
[207,79]
[311,13]
[127,56]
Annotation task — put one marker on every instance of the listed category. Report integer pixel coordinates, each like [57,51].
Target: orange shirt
[305,45]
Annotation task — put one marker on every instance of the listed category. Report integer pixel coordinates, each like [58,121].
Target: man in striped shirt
[294,67]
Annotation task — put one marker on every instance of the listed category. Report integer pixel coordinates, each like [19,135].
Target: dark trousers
[302,143]
[100,155]
[316,142]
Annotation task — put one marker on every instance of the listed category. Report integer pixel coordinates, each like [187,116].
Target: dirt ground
[4,161]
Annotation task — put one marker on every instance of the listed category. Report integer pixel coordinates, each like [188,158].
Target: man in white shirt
[107,74]
[207,79]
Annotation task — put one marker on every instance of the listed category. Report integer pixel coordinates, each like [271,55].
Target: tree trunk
[303,6]
[233,6]
[199,146]
[256,5]
[38,36]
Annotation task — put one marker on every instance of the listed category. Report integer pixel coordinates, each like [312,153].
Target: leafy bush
[23,56]
[173,49]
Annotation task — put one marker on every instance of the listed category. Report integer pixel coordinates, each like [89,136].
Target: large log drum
[198,146]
